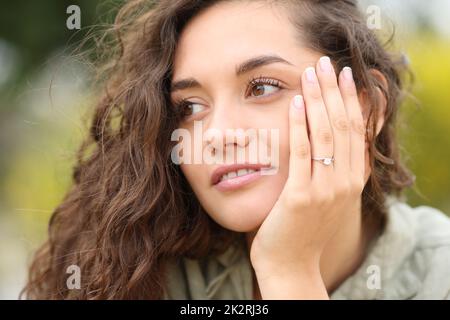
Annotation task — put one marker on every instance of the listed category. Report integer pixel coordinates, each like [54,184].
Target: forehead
[230,32]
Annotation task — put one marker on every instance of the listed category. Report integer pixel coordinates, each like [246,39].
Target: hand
[316,198]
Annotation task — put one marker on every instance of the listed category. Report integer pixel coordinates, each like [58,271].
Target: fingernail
[325,64]
[298,101]
[311,74]
[348,74]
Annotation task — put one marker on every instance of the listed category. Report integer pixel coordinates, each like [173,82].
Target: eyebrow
[245,67]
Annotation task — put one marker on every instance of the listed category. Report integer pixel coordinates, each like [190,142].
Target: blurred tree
[426,133]
[34,31]
[38,28]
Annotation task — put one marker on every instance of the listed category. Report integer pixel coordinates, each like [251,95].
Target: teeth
[242,172]
[231,175]
[234,174]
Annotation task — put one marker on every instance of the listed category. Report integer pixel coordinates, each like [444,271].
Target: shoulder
[433,227]
[409,260]
[422,243]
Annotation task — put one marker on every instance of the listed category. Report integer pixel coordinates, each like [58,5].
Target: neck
[343,254]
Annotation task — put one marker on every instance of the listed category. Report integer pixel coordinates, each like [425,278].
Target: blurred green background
[40,128]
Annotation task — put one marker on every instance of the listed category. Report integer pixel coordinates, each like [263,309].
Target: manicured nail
[325,64]
[348,74]
[311,74]
[298,102]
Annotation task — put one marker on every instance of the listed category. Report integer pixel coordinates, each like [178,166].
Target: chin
[242,216]
[246,209]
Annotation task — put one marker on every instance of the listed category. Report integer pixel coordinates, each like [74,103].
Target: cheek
[195,175]
[245,210]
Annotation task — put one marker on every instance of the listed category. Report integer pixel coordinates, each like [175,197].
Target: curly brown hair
[130,209]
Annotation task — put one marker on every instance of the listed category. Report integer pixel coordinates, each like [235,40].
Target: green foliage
[426,137]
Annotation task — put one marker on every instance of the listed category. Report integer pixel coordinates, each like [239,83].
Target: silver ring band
[325,161]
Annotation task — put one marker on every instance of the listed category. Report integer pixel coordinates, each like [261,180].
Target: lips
[229,172]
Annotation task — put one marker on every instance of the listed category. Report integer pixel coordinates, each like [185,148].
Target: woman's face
[211,48]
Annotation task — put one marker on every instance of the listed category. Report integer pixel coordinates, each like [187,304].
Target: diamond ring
[325,161]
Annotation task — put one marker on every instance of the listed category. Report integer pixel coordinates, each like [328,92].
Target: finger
[336,114]
[321,137]
[300,151]
[357,132]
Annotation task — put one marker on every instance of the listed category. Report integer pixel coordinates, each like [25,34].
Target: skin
[311,211]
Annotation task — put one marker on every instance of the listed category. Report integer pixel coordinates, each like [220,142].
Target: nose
[228,130]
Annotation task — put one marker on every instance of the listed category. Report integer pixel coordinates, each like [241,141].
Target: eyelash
[262,80]
[251,83]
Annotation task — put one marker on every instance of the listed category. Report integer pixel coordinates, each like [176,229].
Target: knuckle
[341,123]
[358,127]
[343,190]
[330,83]
[302,151]
[301,125]
[325,136]
[315,94]
[323,198]
[296,200]
[350,90]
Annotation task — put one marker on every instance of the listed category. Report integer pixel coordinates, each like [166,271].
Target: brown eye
[258,90]
[187,108]
[262,87]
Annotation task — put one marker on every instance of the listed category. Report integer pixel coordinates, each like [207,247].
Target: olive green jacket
[409,260]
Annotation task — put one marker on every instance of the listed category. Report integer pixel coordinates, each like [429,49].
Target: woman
[326,222]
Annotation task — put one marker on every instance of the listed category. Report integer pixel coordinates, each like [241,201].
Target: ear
[365,102]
